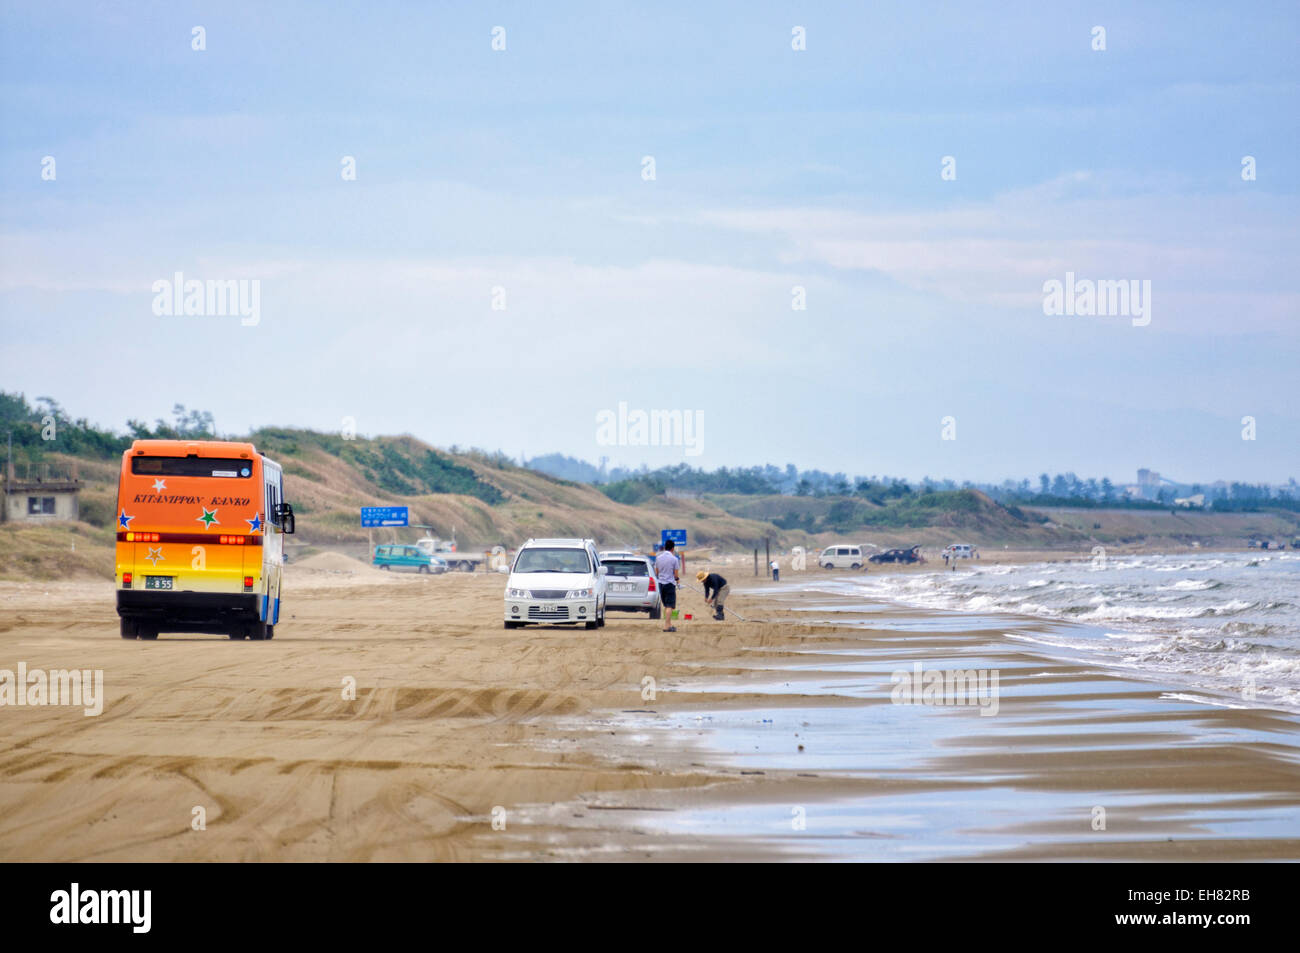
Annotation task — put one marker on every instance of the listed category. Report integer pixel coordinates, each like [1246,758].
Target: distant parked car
[397,556]
[841,557]
[630,584]
[909,555]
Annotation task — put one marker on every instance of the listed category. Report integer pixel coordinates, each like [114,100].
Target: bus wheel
[129,629]
[237,633]
[148,632]
[257,631]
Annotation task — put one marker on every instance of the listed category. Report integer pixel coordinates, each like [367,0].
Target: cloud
[1206,252]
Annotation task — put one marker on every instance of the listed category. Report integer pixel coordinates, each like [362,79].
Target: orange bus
[200,539]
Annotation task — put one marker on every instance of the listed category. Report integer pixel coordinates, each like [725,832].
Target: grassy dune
[488,501]
[55,551]
[328,480]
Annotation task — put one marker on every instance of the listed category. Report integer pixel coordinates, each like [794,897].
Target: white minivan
[842,557]
[556,581]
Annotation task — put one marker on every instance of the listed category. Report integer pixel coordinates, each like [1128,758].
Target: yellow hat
[700,575]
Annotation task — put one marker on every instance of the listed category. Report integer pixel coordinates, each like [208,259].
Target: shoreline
[455,717]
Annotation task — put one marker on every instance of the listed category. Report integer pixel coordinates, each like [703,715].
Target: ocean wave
[1220,621]
[1192,585]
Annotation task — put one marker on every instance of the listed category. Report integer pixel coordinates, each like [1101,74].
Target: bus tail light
[248,583]
[126,580]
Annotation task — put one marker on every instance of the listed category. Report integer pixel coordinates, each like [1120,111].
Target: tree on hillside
[193,423]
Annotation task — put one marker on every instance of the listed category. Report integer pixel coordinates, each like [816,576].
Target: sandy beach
[773,738]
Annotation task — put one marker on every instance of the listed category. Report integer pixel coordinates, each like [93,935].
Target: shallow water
[973,822]
[963,798]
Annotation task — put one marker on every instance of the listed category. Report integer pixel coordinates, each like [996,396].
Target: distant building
[1149,484]
[40,492]
[1195,501]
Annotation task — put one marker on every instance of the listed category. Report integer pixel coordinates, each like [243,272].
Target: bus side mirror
[285,512]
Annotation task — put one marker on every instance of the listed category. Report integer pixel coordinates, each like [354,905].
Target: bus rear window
[192,467]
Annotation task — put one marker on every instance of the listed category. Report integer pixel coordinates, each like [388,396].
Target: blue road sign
[678,536]
[384,516]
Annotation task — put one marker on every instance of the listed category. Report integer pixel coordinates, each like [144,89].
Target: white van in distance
[556,581]
[842,557]
[961,551]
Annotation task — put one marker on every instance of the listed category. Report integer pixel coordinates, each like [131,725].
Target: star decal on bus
[208,518]
[124,521]
[255,524]
[159,485]
[155,555]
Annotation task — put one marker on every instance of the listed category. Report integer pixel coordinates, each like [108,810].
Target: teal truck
[399,556]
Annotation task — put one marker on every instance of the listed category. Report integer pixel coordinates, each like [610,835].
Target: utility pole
[767,553]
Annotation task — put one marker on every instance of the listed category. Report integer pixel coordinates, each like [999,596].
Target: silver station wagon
[630,583]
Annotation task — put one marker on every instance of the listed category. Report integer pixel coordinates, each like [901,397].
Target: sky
[503,269]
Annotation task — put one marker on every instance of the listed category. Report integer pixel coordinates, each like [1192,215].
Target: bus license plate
[158,582]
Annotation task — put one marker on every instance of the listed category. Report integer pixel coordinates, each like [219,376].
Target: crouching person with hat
[716,591]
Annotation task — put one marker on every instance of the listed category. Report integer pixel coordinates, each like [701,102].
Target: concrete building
[40,492]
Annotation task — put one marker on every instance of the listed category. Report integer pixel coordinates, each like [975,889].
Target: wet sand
[469,742]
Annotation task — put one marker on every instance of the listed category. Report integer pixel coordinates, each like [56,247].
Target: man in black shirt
[715,591]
